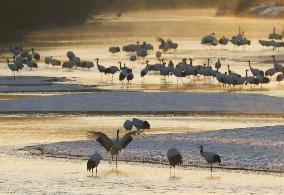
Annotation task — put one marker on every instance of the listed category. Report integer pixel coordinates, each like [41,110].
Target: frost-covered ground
[256,148]
[146,102]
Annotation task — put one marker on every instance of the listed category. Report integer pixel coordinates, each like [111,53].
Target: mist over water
[18,18]
[90,37]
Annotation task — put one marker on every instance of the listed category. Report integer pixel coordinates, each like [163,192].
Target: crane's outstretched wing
[102,138]
[161,40]
[127,138]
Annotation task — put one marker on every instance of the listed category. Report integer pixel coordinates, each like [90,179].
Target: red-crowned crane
[210,157]
[174,158]
[111,145]
[93,162]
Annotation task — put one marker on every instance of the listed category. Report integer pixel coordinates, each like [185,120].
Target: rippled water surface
[92,40]
[25,174]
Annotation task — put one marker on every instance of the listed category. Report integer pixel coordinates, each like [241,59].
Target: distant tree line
[18,17]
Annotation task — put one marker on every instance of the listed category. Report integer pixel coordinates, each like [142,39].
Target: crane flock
[115,145]
[166,68]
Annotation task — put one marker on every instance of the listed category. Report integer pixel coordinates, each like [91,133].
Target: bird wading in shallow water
[174,158]
[210,157]
[114,146]
[93,162]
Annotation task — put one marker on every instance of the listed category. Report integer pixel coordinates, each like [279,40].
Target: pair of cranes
[237,40]
[124,71]
[175,158]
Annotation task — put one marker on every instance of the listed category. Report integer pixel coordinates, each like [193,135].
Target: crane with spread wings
[114,146]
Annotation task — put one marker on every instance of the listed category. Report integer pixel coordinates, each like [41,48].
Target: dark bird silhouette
[114,146]
[174,157]
[93,162]
[210,157]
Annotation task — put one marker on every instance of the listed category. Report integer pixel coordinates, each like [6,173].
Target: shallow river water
[25,174]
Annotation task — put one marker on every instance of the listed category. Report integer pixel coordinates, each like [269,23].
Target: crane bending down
[112,146]
[93,162]
[174,157]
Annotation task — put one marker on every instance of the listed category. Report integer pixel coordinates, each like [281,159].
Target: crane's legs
[96,171]
[211,167]
[116,163]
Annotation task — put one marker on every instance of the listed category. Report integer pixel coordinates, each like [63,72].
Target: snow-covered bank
[255,148]
[147,102]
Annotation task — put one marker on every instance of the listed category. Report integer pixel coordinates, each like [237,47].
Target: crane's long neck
[228,68]
[117,135]
[208,61]
[274,30]
[97,61]
[190,62]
